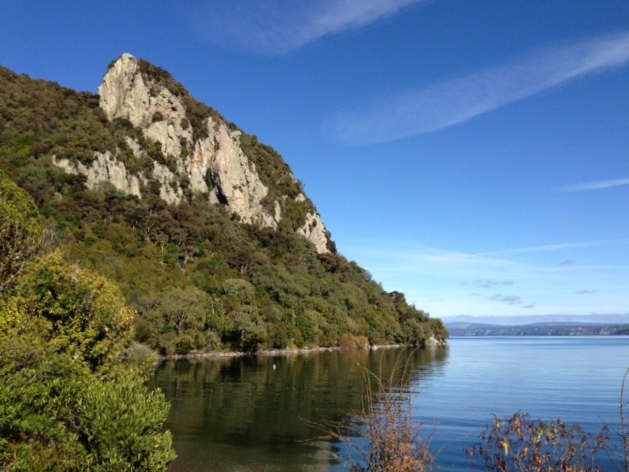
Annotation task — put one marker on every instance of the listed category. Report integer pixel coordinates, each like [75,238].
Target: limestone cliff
[104,168]
[196,158]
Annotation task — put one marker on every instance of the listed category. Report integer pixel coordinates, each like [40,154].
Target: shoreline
[432,343]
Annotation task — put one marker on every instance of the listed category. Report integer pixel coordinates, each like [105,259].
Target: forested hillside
[199,276]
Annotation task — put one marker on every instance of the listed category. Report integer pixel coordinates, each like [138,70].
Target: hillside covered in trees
[201,272]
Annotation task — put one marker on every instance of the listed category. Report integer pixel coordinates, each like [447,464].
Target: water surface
[275,413]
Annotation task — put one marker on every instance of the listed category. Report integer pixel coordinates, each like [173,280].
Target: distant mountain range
[619,318]
[568,325]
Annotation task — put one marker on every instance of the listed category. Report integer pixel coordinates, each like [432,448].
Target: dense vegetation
[72,395]
[85,274]
[199,279]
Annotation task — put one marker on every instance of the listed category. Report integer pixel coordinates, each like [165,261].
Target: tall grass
[391,438]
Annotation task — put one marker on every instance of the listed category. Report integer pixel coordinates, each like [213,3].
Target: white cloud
[434,264]
[278,26]
[426,109]
[554,247]
[597,185]
[448,282]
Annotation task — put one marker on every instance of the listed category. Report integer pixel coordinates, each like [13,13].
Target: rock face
[236,181]
[313,229]
[104,168]
[211,165]
[127,93]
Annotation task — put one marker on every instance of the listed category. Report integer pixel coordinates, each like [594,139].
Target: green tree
[245,330]
[177,321]
[239,289]
[70,399]
[20,232]
[308,324]
[80,312]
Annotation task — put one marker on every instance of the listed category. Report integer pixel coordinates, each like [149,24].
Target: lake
[275,413]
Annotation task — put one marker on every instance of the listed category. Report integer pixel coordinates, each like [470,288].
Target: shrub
[83,313]
[518,443]
[72,396]
[392,437]
[350,341]
[20,232]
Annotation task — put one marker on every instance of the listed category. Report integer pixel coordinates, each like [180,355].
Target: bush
[20,232]
[518,443]
[72,396]
[76,424]
[392,437]
[349,341]
[83,313]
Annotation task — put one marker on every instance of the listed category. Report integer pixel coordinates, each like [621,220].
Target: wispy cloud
[432,279]
[279,26]
[554,247]
[426,109]
[486,283]
[597,185]
[445,282]
[513,300]
[508,299]
[477,270]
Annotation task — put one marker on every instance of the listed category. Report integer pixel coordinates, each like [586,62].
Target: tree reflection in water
[262,413]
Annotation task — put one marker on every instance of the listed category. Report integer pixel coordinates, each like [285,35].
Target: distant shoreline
[539,329]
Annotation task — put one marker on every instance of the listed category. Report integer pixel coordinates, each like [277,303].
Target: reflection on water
[269,413]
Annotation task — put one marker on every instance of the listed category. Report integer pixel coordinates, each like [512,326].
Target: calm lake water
[270,413]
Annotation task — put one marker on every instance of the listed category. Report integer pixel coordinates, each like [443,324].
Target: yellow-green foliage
[9,319]
[78,424]
[20,231]
[71,399]
[83,313]
[68,401]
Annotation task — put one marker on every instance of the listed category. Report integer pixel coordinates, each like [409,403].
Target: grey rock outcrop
[127,93]
[211,165]
[104,168]
[235,179]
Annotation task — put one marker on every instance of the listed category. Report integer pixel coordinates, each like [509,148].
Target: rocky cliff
[194,153]
[206,231]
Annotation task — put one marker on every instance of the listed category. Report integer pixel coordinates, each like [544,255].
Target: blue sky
[473,155]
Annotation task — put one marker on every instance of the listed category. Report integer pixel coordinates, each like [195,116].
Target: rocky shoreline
[430,343]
